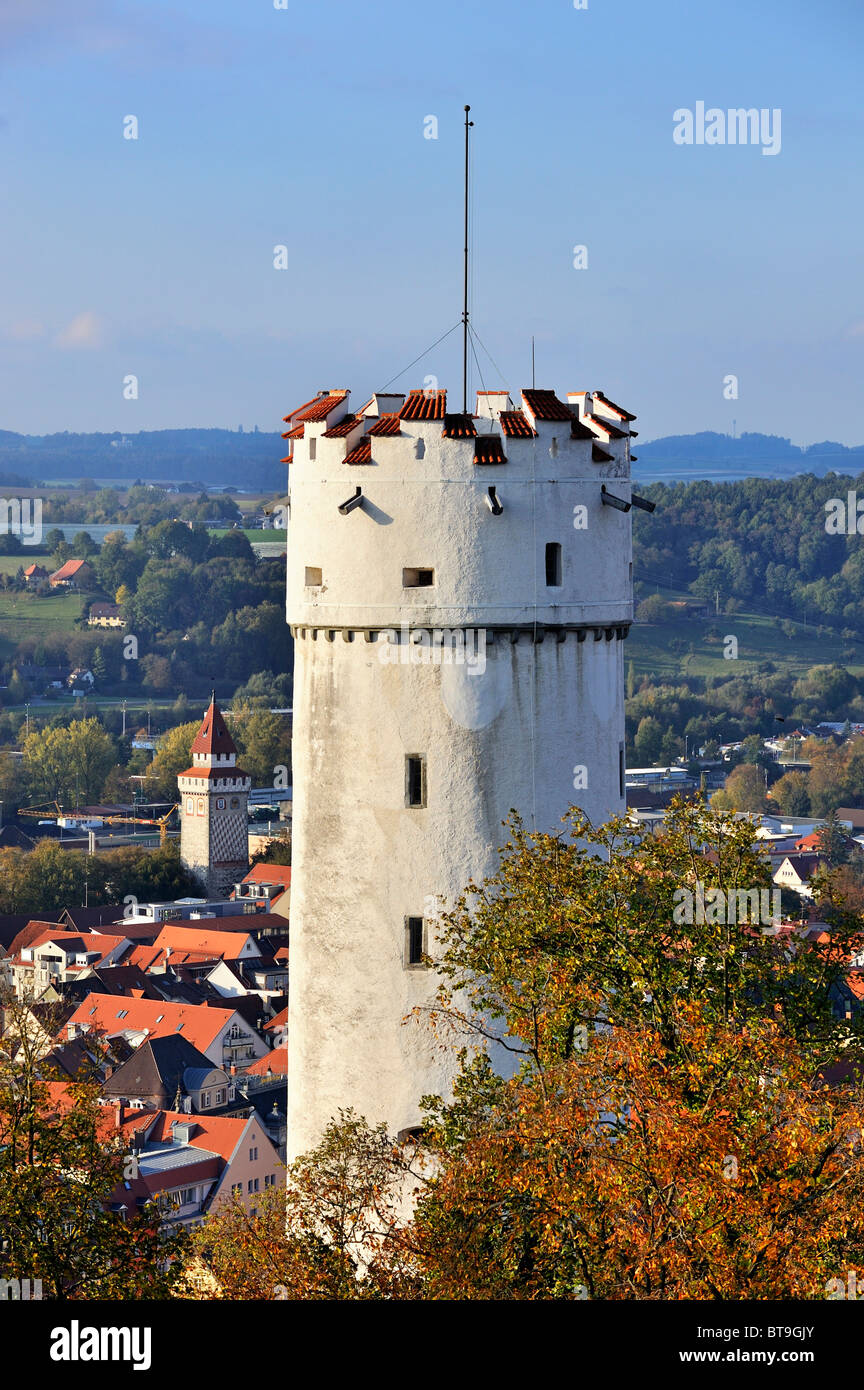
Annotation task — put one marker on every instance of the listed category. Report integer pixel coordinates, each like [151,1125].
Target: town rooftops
[112,1014]
[275,1063]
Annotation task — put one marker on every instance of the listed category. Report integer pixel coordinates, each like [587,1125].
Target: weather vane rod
[468,124]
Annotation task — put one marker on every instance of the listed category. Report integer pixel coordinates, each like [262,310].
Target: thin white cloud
[25,331]
[157,35]
[85,331]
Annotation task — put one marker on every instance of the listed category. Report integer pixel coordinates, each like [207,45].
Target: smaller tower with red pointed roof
[214,793]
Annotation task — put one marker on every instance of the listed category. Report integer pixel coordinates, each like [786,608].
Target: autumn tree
[68,764]
[744,790]
[334,1232]
[59,1167]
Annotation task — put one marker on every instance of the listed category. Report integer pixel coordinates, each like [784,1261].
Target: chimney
[119,1113]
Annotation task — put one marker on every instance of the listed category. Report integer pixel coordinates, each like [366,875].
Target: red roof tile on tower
[213,737]
[580,431]
[611,431]
[424,405]
[321,407]
[386,424]
[296,433]
[343,428]
[361,453]
[459,427]
[489,448]
[619,410]
[515,425]
[545,405]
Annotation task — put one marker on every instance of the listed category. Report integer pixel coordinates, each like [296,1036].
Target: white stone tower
[459,588]
[214,792]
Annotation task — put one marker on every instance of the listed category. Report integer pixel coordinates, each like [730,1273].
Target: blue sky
[304,127]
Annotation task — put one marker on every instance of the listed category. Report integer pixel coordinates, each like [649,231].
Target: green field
[760,638]
[22,615]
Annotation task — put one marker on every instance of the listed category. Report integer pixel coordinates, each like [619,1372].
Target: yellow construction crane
[51,809]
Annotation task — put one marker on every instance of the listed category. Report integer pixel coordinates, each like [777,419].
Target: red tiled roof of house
[386,425]
[274,1064]
[219,1133]
[459,427]
[424,405]
[69,570]
[619,410]
[269,873]
[489,448]
[32,932]
[515,425]
[204,939]
[343,428]
[295,433]
[88,941]
[34,569]
[278,1021]
[545,405]
[213,737]
[320,408]
[361,453]
[200,1024]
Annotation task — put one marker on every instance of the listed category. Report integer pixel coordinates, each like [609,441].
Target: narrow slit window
[313,444]
[314,576]
[415,780]
[620,769]
[414,943]
[553,565]
[417,578]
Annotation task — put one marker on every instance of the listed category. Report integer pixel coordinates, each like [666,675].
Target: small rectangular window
[313,576]
[415,780]
[417,578]
[313,444]
[414,943]
[620,769]
[553,565]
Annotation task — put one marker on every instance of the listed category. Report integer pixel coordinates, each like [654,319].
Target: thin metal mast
[468,124]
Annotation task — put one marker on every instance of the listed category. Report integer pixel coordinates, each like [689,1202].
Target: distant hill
[756,451]
[249,460]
